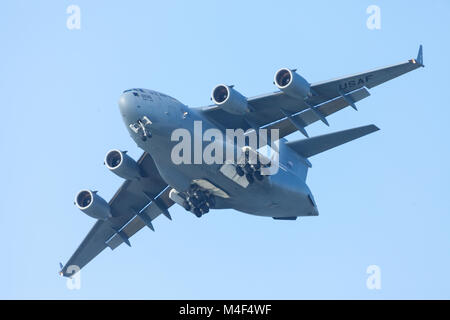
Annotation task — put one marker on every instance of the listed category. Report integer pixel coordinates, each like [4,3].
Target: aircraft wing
[295,114]
[134,206]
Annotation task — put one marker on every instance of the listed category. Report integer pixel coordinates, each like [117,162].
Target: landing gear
[142,128]
[259,176]
[240,171]
[251,171]
[197,212]
[199,201]
[196,200]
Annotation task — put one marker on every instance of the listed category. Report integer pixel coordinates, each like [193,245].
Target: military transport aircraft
[155,181]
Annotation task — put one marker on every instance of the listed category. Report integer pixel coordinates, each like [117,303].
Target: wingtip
[371,128]
[419,59]
[420,56]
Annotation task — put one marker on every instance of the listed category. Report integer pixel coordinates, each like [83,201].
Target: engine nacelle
[292,84]
[93,205]
[229,100]
[122,165]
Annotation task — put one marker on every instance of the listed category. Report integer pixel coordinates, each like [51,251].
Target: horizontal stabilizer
[312,146]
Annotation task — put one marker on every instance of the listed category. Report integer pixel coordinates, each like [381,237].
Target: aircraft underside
[272,186]
[241,187]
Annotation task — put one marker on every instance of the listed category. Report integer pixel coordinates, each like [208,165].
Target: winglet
[61,267]
[420,56]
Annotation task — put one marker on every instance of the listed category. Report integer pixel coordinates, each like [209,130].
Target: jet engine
[122,165]
[93,205]
[229,100]
[292,84]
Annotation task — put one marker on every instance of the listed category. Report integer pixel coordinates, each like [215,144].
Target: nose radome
[127,102]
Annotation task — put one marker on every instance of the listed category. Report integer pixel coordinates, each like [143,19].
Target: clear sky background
[383,199]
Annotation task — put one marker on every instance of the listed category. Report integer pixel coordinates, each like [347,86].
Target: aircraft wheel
[197,212]
[250,178]
[200,196]
[187,207]
[240,171]
[259,176]
[248,168]
[211,201]
[204,209]
[195,202]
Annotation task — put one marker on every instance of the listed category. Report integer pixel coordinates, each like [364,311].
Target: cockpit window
[136,94]
[134,90]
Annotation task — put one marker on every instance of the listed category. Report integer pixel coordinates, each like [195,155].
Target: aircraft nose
[127,103]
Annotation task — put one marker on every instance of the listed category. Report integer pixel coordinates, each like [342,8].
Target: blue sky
[383,199]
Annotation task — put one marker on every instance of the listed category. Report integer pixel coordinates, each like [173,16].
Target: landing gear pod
[122,165]
[292,84]
[176,197]
[93,205]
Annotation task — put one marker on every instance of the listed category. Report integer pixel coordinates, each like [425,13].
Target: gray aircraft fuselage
[284,194]
[231,154]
